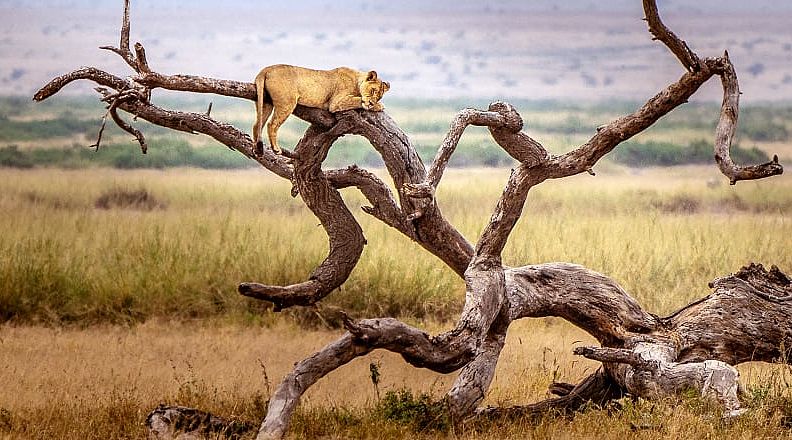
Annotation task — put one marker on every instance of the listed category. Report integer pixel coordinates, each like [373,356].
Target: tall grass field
[118,292]
[118,275]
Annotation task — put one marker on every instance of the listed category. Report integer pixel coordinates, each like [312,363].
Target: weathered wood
[344,234]
[727,126]
[678,47]
[597,389]
[745,318]
[182,423]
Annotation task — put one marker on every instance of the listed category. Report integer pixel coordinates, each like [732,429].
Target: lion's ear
[372,76]
[386,86]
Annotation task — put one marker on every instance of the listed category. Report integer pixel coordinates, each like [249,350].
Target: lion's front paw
[377,107]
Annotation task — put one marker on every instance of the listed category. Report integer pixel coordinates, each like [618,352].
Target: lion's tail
[261,93]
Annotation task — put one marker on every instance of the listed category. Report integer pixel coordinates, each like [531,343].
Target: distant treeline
[636,154]
[127,156]
[76,120]
[180,154]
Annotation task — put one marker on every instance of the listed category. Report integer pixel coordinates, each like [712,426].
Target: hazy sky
[539,49]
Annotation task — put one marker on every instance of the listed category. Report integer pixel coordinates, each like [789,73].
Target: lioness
[335,90]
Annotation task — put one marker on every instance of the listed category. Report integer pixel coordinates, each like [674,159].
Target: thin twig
[101,130]
[129,129]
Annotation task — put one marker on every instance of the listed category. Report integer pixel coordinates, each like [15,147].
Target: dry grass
[100,383]
[662,234]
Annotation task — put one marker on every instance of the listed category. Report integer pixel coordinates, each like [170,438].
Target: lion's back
[315,88]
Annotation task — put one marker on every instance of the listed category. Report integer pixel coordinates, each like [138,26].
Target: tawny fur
[335,90]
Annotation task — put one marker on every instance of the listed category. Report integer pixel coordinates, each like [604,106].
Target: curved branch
[585,298]
[286,397]
[444,353]
[609,136]
[128,128]
[727,125]
[502,118]
[597,388]
[678,47]
[519,145]
[90,73]
[344,233]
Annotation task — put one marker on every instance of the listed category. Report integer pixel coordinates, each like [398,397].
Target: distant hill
[539,49]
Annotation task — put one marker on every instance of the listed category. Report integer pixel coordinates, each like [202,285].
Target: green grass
[58,131]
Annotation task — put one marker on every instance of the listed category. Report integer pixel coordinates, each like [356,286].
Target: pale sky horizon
[541,49]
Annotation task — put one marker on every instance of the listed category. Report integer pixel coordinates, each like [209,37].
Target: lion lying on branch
[335,90]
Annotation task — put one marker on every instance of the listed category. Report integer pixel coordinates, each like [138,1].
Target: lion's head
[372,89]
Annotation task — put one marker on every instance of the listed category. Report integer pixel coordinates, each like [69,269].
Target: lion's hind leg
[281,111]
[262,114]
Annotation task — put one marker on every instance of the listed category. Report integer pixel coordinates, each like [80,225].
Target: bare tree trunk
[745,318]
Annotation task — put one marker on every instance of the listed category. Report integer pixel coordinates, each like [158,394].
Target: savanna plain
[118,283]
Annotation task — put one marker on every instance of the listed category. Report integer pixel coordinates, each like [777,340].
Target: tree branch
[383,205]
[344,233]
[501,117]
[286,397]
[494,295]
[123,48]
[678,47]
[617,355]
[90,73]
[128,128]
[609,136]
[597,388]
[727,125]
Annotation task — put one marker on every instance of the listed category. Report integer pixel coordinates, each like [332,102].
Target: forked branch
[635,343]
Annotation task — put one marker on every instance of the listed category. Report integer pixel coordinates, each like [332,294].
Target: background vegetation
[109,247]
[57,134]
[118,272]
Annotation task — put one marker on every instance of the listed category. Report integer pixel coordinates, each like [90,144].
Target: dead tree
[746,317]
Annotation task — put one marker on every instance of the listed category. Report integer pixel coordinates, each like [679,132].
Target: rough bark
[182,423]
[642,354]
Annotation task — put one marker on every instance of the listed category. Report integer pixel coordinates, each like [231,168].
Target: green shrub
[421,413]
[124,198]
[637,154]
[12,157]
[161,154]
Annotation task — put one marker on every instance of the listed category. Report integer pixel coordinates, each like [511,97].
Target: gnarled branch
[727,125]
[638,348]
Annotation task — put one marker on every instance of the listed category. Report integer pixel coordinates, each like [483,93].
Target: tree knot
[512,120]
